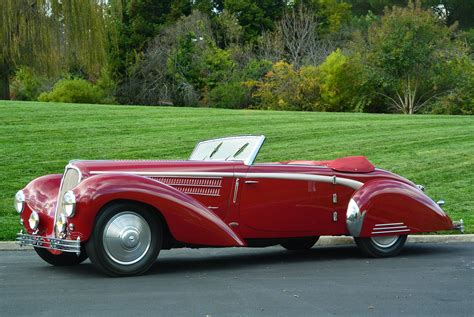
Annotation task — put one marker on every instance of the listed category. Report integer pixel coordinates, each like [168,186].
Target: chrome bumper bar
[459,225]
[36,241]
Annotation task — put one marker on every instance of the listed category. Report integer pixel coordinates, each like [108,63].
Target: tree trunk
[4,82]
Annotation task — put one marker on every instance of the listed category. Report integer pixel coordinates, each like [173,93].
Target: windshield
[239,148]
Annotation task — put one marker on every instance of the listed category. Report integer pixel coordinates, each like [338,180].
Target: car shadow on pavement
[218,259]
[277,256]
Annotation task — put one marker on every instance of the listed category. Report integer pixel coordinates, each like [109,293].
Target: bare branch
[298,31]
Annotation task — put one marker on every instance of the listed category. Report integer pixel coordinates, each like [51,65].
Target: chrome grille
[72,177]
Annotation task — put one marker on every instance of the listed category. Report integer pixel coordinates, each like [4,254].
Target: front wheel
[63,259]
[384,246]
[126,240]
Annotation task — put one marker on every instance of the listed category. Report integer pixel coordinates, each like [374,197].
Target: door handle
[251,182]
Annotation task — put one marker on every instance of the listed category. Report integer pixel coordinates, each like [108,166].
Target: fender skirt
[389,207]
[187,219]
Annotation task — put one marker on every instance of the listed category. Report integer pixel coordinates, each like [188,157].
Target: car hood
[92,167]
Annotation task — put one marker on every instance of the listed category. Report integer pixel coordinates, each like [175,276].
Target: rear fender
[390,207]
[187,219]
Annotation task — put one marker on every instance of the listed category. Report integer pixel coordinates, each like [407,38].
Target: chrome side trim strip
[389,228]
[389,224]
[304,177]
[290,176]
[391,231]
[167,174]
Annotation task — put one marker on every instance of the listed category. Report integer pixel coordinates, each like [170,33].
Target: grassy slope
[39,138]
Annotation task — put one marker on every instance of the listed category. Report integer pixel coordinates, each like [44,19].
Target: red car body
[234,204]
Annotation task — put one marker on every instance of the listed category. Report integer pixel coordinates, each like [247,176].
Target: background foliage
[313,55]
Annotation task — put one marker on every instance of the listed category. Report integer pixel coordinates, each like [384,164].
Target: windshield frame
[249,160]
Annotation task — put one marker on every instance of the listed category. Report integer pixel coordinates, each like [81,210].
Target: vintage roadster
[120,214]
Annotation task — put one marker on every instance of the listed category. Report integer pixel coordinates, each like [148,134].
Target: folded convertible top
[351,164]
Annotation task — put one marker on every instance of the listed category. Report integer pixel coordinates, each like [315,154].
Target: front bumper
[459,225]
[63,245]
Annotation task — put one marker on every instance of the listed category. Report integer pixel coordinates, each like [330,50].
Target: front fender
[41,196]
[187,219]
[390,207]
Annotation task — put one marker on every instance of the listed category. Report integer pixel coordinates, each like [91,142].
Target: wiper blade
[242,148]
[215,150]
[239,151]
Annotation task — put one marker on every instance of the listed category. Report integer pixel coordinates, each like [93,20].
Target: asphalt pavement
[427,279]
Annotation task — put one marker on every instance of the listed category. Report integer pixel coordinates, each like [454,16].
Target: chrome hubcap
[384,242]
[126,238]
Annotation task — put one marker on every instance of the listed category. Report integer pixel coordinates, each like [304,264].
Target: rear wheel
[63,259]
[383,246]
[300,244]
[126,240]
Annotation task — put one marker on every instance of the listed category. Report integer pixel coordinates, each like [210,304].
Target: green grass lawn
[40,138]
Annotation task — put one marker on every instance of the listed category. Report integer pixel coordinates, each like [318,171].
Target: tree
[298,31]
[410,51]
[362,7]
[296,39]
[136,23]
[49,35]
[255,16]
[330,14]
[285,88]
[460,11]
[342,83]
[452,11]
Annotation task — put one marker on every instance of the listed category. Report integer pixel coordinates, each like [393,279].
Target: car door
[274,198]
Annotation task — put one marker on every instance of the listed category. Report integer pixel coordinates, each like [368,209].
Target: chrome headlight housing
[34,220]
[353,211]
[354,218]
[69,204]
[19,201]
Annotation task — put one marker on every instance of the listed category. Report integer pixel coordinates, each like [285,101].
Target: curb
[324,241]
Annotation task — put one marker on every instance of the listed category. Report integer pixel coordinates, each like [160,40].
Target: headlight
[69,204]
[61,225]
[34,220]
[19,201]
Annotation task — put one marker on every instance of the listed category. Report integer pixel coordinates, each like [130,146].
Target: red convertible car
[120,214]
